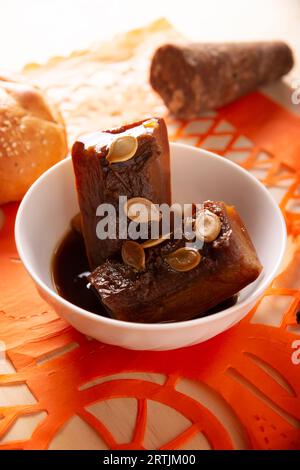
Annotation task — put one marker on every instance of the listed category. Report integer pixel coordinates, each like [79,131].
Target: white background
[33,30]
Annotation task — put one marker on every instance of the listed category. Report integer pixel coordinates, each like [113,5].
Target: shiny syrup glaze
[69,272]
[70,268]
[98,140]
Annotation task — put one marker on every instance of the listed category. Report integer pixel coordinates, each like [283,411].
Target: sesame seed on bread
[32,137]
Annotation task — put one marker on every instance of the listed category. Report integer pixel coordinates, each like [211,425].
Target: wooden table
[35,31]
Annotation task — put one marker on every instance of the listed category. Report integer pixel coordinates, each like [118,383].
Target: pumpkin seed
[133,255]
[141,210]
[207,226]
[184,259]
[151,123]
[122,149]
[156,241]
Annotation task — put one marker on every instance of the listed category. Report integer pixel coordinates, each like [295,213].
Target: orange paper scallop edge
[252,368]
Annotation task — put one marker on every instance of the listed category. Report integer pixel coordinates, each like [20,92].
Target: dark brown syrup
[70,269]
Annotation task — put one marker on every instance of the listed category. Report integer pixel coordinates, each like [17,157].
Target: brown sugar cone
[193,78]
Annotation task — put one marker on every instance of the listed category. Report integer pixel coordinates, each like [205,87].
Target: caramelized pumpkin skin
[161,294]
[100,180]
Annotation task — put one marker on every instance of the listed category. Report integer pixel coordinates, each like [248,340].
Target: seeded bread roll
[193,78]
[32,138]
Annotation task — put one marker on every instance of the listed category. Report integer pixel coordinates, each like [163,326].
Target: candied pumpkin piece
[164,291]
[132,161]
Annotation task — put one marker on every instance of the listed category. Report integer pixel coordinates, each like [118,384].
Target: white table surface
[33,30]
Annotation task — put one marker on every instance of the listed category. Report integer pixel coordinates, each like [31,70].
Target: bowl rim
[264,282]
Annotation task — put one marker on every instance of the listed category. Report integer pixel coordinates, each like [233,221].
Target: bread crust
[32,137]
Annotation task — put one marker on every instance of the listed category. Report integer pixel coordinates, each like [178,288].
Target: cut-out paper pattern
[238,390]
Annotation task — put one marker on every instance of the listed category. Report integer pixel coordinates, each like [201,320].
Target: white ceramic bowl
[197,175]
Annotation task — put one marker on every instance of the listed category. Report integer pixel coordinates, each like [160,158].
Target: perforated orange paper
[249,370]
